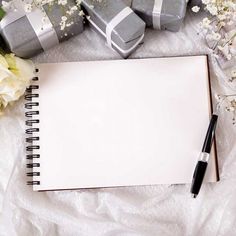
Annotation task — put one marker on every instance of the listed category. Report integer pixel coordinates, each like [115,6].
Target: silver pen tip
[194,195]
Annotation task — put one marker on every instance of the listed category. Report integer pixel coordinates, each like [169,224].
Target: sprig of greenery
[2,13]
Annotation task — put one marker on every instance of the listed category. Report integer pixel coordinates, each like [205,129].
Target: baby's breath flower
[225,51]
[212,9]
[28,8]
[216,36]
[70,9]
[230,22]
[195,9]
[233,73]
[222,17]
[6,5]
[220,27]
[205,2]
[63,22]
[81,13]
[62,2]
[63,18]
[220,32]
[44,19]
[228,103]
[206,23]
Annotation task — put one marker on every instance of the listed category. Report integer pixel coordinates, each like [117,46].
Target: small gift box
[116,22]
[29,33]
[161,14]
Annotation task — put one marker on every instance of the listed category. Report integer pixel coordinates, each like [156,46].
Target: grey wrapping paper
[126,34]
[20,36]
[127,2]
[171,15]
[193,3]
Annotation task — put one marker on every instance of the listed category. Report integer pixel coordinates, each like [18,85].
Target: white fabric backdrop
[130,211]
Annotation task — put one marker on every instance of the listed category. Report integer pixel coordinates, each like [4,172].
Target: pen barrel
[198,176]
[210,134]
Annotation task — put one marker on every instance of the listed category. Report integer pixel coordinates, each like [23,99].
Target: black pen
[201,166]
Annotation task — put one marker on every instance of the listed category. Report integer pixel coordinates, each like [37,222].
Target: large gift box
[116,22]
[29,33]
[161,14]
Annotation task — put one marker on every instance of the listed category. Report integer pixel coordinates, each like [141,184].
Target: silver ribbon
[116,21]
[45,32]
[124,52]
[156,14]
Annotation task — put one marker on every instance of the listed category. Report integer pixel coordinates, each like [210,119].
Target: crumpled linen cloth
[128,211]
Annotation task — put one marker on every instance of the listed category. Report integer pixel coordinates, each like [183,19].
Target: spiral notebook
[117,123]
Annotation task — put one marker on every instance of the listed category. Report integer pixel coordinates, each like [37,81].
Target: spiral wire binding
[32,131]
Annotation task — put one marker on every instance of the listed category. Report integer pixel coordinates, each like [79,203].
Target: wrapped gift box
[193,3]
[27,34]
[116,22]
[161,14]
[127,2]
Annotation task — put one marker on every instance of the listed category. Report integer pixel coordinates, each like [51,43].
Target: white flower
[15,75]
[62,2]
[234,18]
[216,36]
[6,5]
[212,9]
[225,51]
[63,22]
[230,109]
[63,18]
[233,73]
[205,2]
[221,24]
[74,8]
[206,23]
[221,17]
[28,8]
[230,22]
[81,13]
[195,9]
[45,19]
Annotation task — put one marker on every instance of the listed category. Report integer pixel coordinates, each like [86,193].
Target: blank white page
[123,123]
